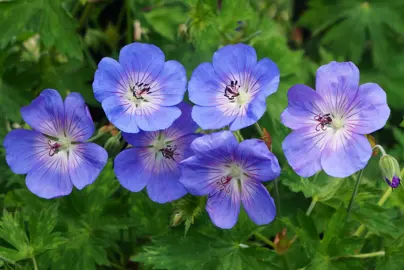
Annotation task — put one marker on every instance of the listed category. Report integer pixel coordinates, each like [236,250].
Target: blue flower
[330,123]
[154,159]
[394,183]
[141,91]
[231,174]
[233,89]
[54,155]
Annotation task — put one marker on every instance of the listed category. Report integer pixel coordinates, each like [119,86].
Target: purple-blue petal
[133,168]
[199,175]
[49,177]
[256,160]
[303,148]
[338,84]
[264,78]
[46,113]
[110,79]
[234,62]
[249,114]
[257,202]
[223,207]
[143,62]
[205,87]
[141,139]
[23,148]
[345,154]
[184,124]
[215,117]
[303,105]
[151,117]
[86,161]
[169,88]
[369,112]
[218,146]
[165,187]
[79,125]
[121,113]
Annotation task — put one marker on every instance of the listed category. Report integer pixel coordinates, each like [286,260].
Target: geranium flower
[54,155]
[154,158]
[329,124]
[141,91]
[233,89]
[231,174]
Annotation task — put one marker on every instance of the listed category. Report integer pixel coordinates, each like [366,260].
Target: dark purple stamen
[169,152]
[140,89]
[324,121]
[231,91]
[54,148]
[395,182]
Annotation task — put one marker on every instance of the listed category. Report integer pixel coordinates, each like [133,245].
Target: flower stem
[96,137]
[264,239]
[382,200]
[238,135]
[259,129]
[86,13]
[364,255]
[308,212]
[358,180]
[34,262]
[380,148]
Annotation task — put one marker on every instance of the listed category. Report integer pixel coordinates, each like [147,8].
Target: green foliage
[58,43]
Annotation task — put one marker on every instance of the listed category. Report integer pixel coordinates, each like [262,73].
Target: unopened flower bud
[176,219]
[390,170]
[113,146]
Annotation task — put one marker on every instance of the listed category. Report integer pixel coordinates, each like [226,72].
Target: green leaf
[47,17]
[165,20]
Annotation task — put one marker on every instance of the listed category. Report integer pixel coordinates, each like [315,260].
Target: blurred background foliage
[58,43]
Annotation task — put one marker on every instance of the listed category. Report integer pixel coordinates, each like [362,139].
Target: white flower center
[338,123]
[243,98]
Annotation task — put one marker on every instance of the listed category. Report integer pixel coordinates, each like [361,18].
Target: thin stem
[277,197]
[382,200]
[259,129]
[311,207]
[358,180]
[364,255]
[264,239]
[238,135]
[34,262]
[85,14]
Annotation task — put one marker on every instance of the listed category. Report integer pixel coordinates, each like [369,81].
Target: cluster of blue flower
[142,96]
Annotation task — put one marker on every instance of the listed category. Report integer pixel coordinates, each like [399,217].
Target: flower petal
[166,187]
[303,149]
[23,148]
[264,78]
[215,117]
[121,112]
[141,139]
[223,207]
[345,154]
[133,168]
[370,111]
[205,87]
[46,113]
[86,161]
[142,62]
[338,84]
[169,88]
[256,160]
[151,117]
[49,177]
[184,124]
[304,104]
[218,146]
[234,62]
[249,113]
[257,202]
[200,175]
[79,125]
[109,80]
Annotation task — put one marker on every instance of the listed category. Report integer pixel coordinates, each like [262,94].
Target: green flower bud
[390,170]
[113,146]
